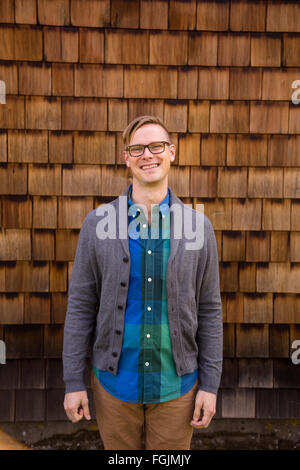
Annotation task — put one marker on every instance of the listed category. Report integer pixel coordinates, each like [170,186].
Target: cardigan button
[120,307]
[115,354]
[111,368]
[118,332]
[123,284]
[126,259]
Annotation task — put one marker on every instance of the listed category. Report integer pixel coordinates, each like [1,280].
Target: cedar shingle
[98,80]
[117,114]
[168,48]
[127,47]
[94,148]
[55,12]
[11,309]
[234,246]
[144,82]
[269,117]
[43,113]
[247,150]
[15,244]
[24,409]
[43,244]
[28,146]
[145,106]
[72,211]
[203,181]
[60,147]
[252,340]
[234,49]
[65,244]
[9,74]
[53,337]
[277,84]
[247,277]
[7,405]
[10,375]
[291,50]
[276,403]
[258,308]
[28,378]
[62,79]
[59,302]
[283,17]
[26,276]
[232,182]
[213,83]
[187,82]
[255,373]
[12,113]
[114,180]
[13,178]
[84,114]
[175,115]
[154,14]
[229,117]
[286,308]
[294,118]
[91,13]
[212,15]
[37,309]
[265,50]
[284,374]
[294,246]
[58,276]
[295,214]
[91,45]
[291,182]
[54,410]
[25,11]
[219,212]
[278,277]
[82,180]
[179,180]
[125,14]
[17,212]
[245,83]
[44,180]
[246,214]
[265,183]
[229,340]
[202,49]
[229,377]
[279,339]
[238,403]
[182,14]
[284,150]
[28,43]
[44,212]
[24,341]
[247,16]
[7,11]
[276,214]
[257,246]
[198,116]
[189,149]
[61,44]
[234,307]
[213,149]
[228,277]
[3,146]
[279,246]
[34,79]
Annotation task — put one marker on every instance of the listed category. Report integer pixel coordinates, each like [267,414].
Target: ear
[172,149]
[125,156]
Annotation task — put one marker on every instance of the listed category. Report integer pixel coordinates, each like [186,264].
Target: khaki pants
[125,426]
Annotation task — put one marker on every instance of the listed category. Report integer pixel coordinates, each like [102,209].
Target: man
[150,305]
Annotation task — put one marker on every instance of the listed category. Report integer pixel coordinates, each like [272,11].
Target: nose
[147,153]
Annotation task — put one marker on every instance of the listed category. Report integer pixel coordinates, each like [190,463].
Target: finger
[204,422]
[86,410]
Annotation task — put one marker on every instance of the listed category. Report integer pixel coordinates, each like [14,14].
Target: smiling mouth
[148,167]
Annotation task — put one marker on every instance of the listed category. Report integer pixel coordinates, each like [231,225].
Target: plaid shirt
[146,372]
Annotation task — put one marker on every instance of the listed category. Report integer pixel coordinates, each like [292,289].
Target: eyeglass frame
[147,146]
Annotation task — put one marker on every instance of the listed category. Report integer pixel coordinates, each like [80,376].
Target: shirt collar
[163,205]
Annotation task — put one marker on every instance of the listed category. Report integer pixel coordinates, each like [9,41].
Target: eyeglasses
[154,147]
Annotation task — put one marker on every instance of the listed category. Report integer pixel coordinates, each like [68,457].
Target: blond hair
[139,122]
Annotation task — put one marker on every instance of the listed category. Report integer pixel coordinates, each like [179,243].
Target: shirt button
[125,259]
[149,252]
[149,308]
[147,335]
[149,279]
[146,364]
[144,225]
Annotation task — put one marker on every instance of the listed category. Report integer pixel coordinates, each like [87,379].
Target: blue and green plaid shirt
[146,372]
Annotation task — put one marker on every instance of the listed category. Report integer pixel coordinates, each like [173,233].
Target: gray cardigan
[98,290]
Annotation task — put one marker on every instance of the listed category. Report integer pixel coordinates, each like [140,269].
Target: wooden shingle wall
[220,74]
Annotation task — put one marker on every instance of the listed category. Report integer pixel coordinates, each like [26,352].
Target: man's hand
[207,402]
[73,401]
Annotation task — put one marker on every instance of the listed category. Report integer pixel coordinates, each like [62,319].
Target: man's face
[140,165]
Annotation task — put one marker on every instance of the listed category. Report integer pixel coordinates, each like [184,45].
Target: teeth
[150,166]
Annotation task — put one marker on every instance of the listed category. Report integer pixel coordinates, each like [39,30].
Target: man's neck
[149,194]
